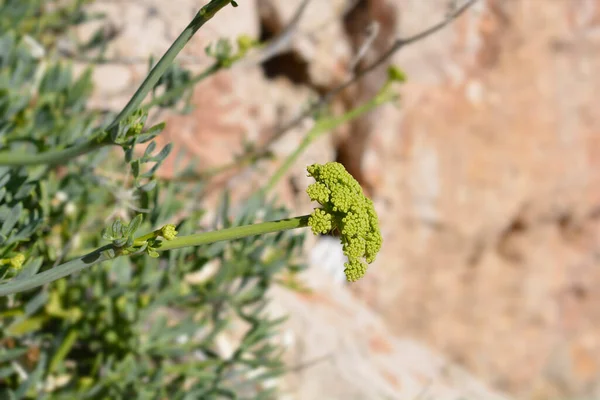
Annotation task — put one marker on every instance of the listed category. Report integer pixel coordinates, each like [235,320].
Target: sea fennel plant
[129,314]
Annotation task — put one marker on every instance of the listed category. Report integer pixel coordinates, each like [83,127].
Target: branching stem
[326,125]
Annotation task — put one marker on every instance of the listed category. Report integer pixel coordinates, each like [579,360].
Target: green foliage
[41,106]
[45,20]
[149,325]
[151,328]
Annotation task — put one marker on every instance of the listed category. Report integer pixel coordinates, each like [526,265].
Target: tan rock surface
[494,196]
[340,349]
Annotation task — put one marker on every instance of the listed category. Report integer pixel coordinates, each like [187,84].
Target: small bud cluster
[15,262]
[168,232]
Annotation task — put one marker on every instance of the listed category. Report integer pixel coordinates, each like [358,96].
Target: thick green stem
[61,156]
[102,254]
[206,13]
[235,233]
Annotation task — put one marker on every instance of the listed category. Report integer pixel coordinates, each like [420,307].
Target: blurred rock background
[487,178]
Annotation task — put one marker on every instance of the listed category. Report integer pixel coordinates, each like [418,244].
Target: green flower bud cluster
[168,232]
[15,262]
[345,207]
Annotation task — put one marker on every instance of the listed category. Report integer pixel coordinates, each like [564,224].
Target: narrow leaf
[29,269]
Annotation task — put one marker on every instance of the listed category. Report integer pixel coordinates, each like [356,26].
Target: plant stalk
[326,125]
[235,233]
[102,254]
